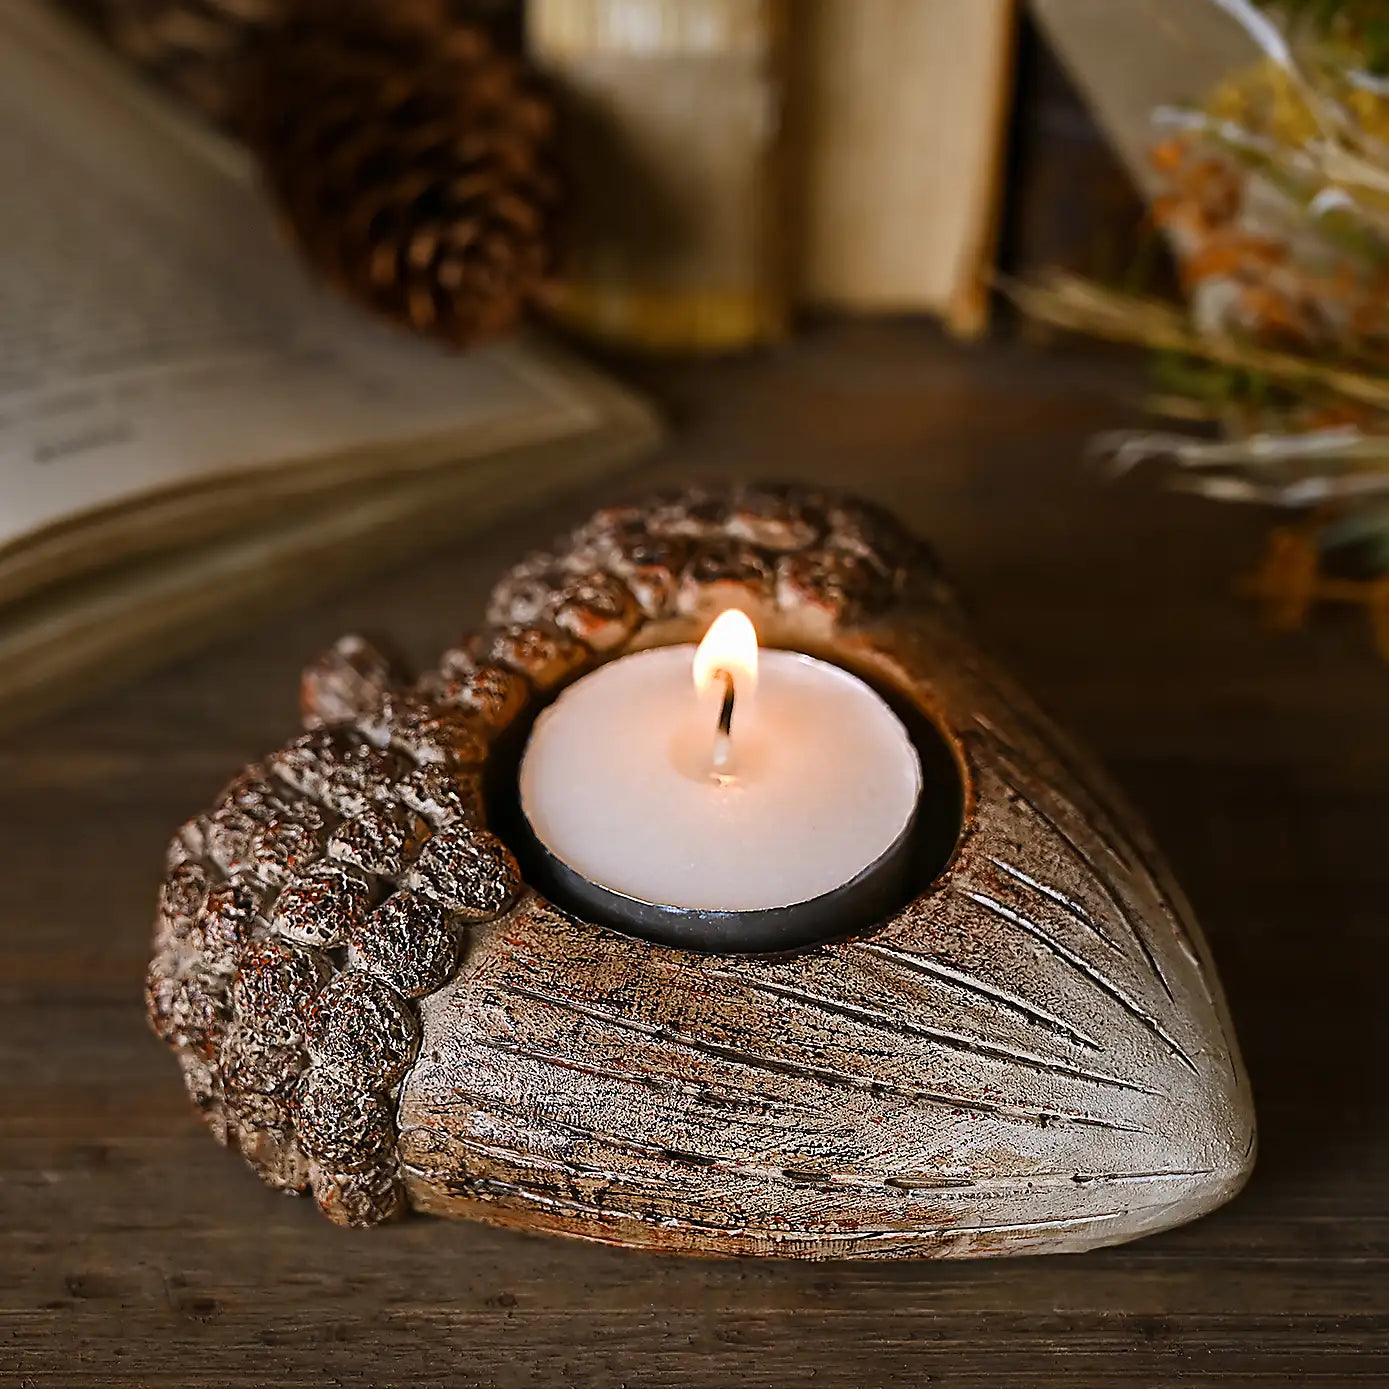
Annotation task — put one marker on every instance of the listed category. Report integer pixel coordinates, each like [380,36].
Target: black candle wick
[723,739]
[726,709]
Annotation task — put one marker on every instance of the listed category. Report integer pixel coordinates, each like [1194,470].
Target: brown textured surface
[1031,1055]
[137,1253]
[268,892]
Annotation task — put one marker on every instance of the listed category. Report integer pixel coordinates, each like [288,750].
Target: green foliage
[1365,23]
[1218,387]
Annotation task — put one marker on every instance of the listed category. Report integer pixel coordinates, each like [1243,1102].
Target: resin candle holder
[373,998]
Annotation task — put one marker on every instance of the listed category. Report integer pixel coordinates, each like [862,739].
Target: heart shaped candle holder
[372,999]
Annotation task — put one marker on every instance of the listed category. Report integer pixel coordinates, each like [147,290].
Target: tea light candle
[720,798]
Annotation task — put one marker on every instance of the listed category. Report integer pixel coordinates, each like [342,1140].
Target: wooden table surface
[135,1252]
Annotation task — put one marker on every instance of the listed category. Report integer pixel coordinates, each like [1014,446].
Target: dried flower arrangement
[1275,204]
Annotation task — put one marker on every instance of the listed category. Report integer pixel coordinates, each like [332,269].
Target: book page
[155,334]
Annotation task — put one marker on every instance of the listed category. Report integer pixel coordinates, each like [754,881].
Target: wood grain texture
[136,1254]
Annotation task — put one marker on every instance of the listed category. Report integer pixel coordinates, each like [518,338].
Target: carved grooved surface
[1033,1056]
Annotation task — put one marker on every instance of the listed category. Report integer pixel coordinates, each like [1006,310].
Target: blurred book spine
[673,112]
[900,112]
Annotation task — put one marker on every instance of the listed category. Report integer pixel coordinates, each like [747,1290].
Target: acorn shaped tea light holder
[861,961]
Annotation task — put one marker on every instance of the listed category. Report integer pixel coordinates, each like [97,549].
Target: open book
[190,429]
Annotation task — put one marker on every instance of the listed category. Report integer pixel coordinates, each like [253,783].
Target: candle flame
[729,649]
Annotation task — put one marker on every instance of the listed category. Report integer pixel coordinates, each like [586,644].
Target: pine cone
[193,48]
[412,159]
[288,994]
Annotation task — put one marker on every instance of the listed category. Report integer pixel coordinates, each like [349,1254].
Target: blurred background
[648,180]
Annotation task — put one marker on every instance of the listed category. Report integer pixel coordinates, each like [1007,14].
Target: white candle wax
[619,782]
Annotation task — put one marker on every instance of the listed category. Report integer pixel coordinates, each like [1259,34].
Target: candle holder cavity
[376,994]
